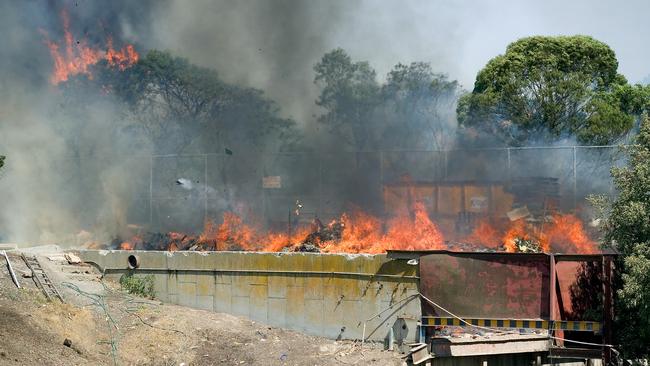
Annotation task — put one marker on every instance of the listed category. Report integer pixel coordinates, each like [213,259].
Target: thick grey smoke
[54,184]
[273,45]
[270,45]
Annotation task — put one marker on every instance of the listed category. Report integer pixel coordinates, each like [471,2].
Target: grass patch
[140,285]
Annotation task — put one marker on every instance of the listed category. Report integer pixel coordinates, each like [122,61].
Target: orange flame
[123,58]
[418,233]
[360,233]
[518,230]
[126,246]
[364,233]
[567,235]
[485,235]
[564,234]
[70,60]
[233,231]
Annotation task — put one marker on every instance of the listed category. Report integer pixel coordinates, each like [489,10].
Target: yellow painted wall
[328,295]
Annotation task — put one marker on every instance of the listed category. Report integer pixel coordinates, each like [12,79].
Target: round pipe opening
[133,261]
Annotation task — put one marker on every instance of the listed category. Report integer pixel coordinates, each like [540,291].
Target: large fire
[561,233]
[74,58]
[357,232]
[354,232]
[360,232]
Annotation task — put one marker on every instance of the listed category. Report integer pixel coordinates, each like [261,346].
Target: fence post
[205,184]
[381,183]
[320,188]
[446,161]
[575,182]
[508,164]
[260,181]
[151,159]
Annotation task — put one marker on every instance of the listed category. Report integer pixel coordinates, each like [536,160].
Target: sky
[273,45]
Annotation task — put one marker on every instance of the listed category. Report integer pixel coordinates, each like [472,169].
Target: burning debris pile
[523,245]
[357,232]
[564,233]
[360,232]
[321,234]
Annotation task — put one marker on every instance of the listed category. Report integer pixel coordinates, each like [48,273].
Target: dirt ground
[109,327]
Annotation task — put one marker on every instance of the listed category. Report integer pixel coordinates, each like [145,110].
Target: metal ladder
[40,278]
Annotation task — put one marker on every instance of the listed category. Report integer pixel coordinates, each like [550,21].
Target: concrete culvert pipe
[133,261]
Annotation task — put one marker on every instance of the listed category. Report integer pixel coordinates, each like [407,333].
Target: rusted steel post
[608,310]
[552,298]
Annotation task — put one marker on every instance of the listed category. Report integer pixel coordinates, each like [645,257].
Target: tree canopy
[627,230]
[349,95]
[417,106]
[183,107]
[545,88]
[412,109]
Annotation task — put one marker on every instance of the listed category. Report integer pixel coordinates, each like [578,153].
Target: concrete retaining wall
[328,295]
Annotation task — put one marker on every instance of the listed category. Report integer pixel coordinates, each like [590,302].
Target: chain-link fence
[179,192]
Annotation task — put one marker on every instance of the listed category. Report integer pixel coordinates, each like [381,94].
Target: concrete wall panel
[320,294]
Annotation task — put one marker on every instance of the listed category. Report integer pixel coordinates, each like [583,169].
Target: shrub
[140,285]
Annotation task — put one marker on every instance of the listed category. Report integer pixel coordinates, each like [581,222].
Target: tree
[413,109]
[417,105]
[349,95]
[181,106]
[627,229]
[545,88]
